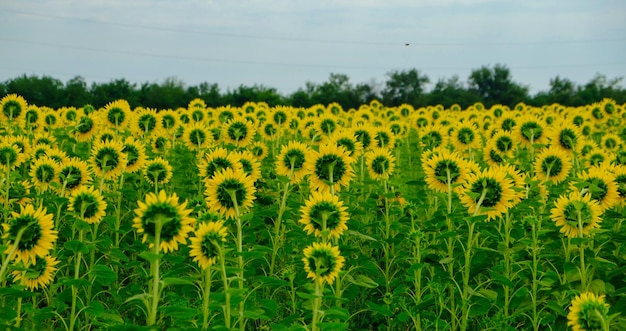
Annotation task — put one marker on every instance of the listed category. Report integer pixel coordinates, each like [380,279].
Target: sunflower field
[320,218]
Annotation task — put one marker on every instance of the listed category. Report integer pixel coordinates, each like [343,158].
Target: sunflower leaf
[150,257]
[76,246]
[175,281]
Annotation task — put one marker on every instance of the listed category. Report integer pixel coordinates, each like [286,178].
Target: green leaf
[150,257]
[500,279]
[255,315]
[175,281]
[95,309]
[306,295]
[363,281]
[76,246]
[103,273]
[332,326]
[360,235]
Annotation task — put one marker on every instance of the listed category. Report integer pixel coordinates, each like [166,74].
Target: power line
[286,64]
[326,41]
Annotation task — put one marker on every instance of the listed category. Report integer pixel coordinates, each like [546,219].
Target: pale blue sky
[285,43]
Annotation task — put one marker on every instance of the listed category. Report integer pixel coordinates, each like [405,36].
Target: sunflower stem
[155,273]
[77,261]
[233,196]
[118,212]
[18,318]
[450,243]
[277,240]
[317,302]
[581,247]
[226,288]
[11,254]
[208,273]
[466,293]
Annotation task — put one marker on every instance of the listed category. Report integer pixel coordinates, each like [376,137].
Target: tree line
[489,85]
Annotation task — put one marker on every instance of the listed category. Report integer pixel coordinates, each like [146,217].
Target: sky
[284,44]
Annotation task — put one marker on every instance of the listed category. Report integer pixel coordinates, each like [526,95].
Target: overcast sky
[285,43]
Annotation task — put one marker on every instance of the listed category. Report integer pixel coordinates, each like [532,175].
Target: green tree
[44,91]
[76,93]
[405,87]
[114,90]
[495,86]
[451,91]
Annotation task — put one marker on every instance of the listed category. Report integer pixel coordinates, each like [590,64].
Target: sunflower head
[162,216]
[489,192]
[331,167]
[158,171]
[576,215]
[32,231]
[88,205]
[230,192]
[323,262]
[207,242]
[588,311]
[290,161]
[108,159]
[324,215]
[37,274]
[12,107]
[380,163]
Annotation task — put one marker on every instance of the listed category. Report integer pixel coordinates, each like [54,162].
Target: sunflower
[292,158]
[326,124]
[197,137]
[574,211]
[611,142]
[10,155]
[168,120]
[86,127]
[157,171]
[489,192]
[432,137]
[225,114]
[322,262]
[72,175]
[619,171]
[530,130]
[50,119]
[238,131]
[504,143]
[88,205]
[108,159]
[43,172]
[215,160]
[507,122]
[383,137]
[162,214]
[566,136]
[12,107]
[259,149]
[230,192]
[330,168]
[45,138]
[144,122]
[588,312]
[600,183]
[56,154]
[32,118]
[160,142]
[280,116]
[324,212]
[38,234]
[135,152]
[19,192]
[465,136]
[22,142]
[346,138]
[105,134]
[444,167]
[249,163]
[380,163]
[205,245]
[365,135]
[38,274]
[492,156]
[597,156]
[269,131]
[553,163]
[68,115]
